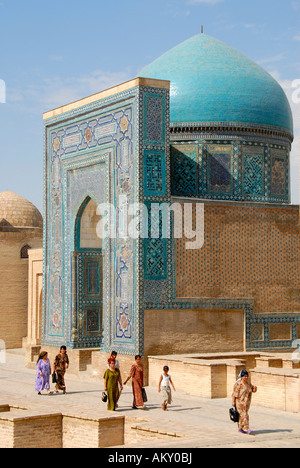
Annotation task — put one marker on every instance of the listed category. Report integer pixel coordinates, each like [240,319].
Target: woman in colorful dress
[61,364]
[137,375]
[112,380]
[43,372]
[241,400]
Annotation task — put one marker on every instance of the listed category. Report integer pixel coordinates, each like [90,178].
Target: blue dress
[43,382]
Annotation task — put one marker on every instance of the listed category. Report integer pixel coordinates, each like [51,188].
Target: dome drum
[212,127]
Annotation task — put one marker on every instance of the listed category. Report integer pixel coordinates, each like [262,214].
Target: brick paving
[191,422]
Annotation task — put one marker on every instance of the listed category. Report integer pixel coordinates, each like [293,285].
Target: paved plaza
[191,422]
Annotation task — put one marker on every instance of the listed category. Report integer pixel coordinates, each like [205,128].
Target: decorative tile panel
[90,155]
[240,168]
[184,160]
[279,174]
[155,173]
[154,105]
[253,174]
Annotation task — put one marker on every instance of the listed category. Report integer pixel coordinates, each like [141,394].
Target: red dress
[137,375]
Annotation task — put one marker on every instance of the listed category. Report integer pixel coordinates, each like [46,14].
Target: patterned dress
[243,394]
[43,382]
[112,385]
[137,375]
[60,363]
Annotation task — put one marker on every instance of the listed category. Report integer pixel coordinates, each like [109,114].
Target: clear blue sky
[56,52]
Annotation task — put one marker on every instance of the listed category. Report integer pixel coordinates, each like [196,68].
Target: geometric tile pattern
[257,332]
[185,170]
[219,172]
[108,152]
[89,156]
[253,176]
[154,115]
[155,179]
[240,169]
[278,176]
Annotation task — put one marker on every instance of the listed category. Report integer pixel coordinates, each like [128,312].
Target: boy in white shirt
[164,386]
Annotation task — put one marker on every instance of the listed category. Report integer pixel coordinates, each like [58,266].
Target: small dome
[213,83]
[16,211]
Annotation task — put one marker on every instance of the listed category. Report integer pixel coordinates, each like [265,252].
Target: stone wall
[14,283]
[189,331]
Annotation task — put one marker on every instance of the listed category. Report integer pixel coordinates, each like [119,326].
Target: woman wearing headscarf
[241,400]
[137,375]
[43,372]
[61,364]
[112,380]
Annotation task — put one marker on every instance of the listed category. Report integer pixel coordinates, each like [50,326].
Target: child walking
[164,386]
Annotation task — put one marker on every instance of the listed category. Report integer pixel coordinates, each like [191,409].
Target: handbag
[234,415]
[104,397]
[54,377]
[144,395]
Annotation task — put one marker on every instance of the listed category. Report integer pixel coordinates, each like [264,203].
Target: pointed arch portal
[87,278]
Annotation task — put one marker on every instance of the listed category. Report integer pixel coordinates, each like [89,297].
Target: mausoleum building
[207,132]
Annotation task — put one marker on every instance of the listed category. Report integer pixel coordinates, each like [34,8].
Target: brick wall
[30,431]
[92,433]
[14,284]
[37,429]
[277,388]
[248,252]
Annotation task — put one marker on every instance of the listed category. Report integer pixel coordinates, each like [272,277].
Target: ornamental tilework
[185,168]
[118,150]
[279,173]
[110,153]
[253,176]
[155,173]
[241,168]
[87,152]
[154,118]
[220,179]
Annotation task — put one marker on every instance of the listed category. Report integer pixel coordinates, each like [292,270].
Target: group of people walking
[113,384]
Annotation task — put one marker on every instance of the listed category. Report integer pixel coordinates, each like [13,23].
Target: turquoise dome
[213,83]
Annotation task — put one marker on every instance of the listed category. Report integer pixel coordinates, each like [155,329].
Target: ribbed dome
[213,83]
[16,211]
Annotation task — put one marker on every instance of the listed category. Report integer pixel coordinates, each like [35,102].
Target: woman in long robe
[43,372]
[61,364]
[241,400]
[137,375]
[112,379]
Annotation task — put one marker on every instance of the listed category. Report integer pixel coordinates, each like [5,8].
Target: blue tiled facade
[147,145]
[113,151]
